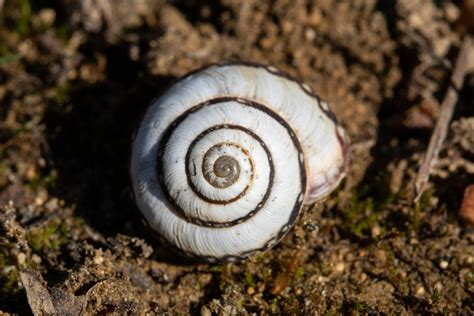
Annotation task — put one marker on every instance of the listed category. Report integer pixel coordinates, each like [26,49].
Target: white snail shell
[224,160]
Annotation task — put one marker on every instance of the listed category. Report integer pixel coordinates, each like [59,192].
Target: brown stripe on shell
[343,141]
[212,259]
[240,195]
[299,201]
[279,73]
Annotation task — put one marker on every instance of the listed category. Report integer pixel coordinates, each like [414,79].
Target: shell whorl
[224,160]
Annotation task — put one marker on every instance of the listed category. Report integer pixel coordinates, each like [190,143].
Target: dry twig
[441,128]
[37,293]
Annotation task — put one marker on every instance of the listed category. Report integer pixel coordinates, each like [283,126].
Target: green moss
[222,275]
[324,268]
[333,311]
[435,297]
[62,93]
[3,261]
[366,208]
[358,308]
[216,269]
[249,280]
[24,23]
[299,273]
[267,274]
[5,59]
[63,32]
[9,282]
[422,205]
[3,169]
[261,257]
[469,279]
[43,181]
[47,238]
[4,49]
[290,306]
[5,255]
[274,303]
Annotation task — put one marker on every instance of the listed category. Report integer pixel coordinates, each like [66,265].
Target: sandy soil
[75,78]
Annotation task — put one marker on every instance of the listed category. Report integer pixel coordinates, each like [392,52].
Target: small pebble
[39,201]
[36,259]
[381,255]
[205,311]
[21,258]
[310,34]
[375,231]
[452,12]
[414,241]
[339,267]
[47,17]
[402,274]
[420,290]
[98,258]
[443,264]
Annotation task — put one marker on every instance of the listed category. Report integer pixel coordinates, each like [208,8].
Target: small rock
[452,12]
[98,258]
[205,311]
[339,267]
[21,258]
[47,16]
[420,290]
[52,204]
[443,264]
[381,255]
[414,241]
[310,34]
[36,259]
[470,260]
[375,231]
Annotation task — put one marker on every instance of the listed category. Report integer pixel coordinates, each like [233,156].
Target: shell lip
[315,194]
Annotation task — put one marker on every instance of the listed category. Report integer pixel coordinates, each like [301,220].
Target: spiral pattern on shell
[224,160]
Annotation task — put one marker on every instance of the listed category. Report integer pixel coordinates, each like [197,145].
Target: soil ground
[75,78]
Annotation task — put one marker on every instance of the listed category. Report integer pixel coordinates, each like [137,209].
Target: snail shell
[224,160]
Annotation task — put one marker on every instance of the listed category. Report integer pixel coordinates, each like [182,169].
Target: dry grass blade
[37,293]
[447,109]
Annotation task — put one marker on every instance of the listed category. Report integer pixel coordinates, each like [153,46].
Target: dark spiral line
[169,131]
[240,195]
